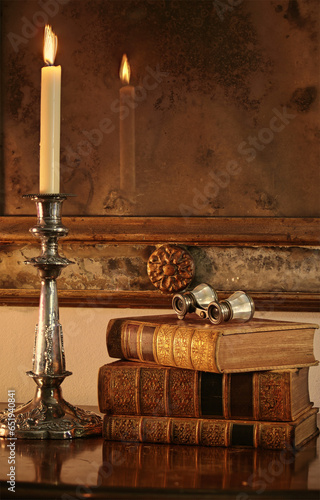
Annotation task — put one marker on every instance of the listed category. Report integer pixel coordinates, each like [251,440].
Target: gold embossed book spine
[132,388]
[211,432]
[197,345]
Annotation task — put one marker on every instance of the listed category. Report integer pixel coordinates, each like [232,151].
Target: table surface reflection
[94,468]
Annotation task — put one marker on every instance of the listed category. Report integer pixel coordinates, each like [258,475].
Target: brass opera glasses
[203,300]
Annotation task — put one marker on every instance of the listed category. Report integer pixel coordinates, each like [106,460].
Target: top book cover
[195,344]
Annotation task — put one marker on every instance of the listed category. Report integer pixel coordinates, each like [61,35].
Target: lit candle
[127,130]
[50,117]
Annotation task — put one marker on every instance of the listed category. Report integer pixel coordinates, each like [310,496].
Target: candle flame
[50,46]
[125,70]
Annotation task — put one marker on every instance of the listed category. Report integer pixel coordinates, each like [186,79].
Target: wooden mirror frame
[194,231]
[242,232]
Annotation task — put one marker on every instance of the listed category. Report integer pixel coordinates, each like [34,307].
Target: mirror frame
[192,231]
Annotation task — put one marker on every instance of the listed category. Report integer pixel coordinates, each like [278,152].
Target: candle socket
[48,415]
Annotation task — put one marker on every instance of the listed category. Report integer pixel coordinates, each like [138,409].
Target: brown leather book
[211,432]
[133,388]
[199,345]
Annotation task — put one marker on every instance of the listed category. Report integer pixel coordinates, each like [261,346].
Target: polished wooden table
[97,469]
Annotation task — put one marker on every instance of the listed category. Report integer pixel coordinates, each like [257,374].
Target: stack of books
[191,382]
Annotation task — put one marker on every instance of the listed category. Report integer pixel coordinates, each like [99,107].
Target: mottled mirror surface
[227,105]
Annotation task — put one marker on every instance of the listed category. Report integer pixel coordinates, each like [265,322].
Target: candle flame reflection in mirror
[50,46]
[125,70]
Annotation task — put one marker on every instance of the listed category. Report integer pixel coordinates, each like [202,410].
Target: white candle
[127,131]
[50,117]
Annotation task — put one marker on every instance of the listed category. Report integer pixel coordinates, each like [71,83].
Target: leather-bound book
[199,345]
[211,432]
[133,388]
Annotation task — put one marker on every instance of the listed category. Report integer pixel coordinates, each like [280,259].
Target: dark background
[226,69]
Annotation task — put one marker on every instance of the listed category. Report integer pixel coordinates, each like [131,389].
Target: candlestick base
[48,415]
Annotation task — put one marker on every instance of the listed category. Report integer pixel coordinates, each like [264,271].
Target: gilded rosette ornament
[170,268]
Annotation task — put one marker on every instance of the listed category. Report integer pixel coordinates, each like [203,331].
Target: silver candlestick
[48,415]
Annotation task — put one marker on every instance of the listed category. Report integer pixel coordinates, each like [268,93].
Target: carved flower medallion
[170,268]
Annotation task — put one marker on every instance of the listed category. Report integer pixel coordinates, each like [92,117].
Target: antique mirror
[225,160]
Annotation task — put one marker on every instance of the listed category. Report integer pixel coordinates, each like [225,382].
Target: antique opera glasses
[194,301]
[203,300]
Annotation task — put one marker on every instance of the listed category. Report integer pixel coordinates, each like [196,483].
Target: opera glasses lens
[238,307]
[196,300]
[182,304]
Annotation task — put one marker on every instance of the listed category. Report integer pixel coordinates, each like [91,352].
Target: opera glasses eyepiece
[182,304]
[238,307]
[196,300]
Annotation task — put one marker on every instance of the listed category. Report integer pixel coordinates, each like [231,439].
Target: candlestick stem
[48,415]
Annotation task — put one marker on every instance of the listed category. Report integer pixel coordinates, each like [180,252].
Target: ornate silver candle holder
[48,415]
